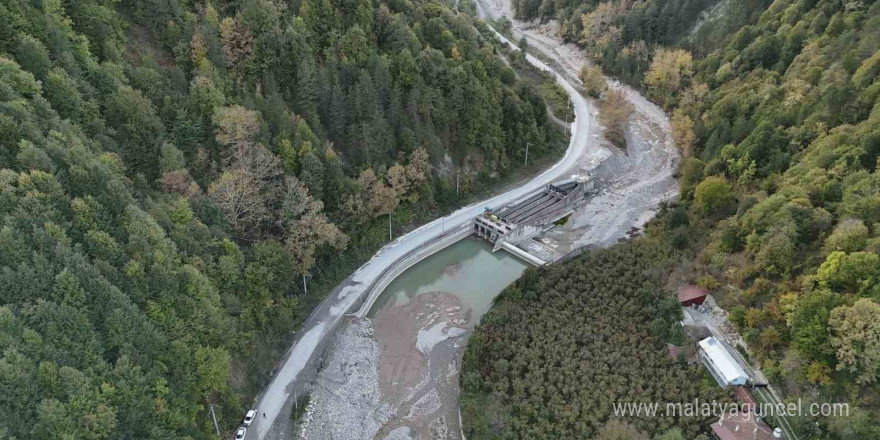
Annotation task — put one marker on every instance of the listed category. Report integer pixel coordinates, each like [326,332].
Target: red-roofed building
[743,426]
[690,294]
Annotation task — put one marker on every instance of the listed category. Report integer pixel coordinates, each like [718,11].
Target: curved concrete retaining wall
[435,245]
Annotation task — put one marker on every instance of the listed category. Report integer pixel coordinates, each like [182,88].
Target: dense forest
[565,343]
[180,182]
[775,108]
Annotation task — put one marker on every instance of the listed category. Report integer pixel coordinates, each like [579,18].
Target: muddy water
[468,270]
[421,323]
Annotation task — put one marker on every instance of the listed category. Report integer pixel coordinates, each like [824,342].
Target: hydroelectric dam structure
[505,228]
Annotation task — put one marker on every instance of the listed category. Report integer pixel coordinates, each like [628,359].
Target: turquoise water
[467,269]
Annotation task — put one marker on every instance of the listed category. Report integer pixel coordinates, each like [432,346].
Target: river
[469,270]
[395,375]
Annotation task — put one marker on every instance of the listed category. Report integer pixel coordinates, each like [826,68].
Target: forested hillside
[561,346]
[180,182]
[775,108]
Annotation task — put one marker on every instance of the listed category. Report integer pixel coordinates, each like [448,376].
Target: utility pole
[528,144]
[390,237]
[457,179]
[214,417]
[305,287]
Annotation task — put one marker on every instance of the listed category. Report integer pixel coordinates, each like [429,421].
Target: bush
[714,197]
[850,235]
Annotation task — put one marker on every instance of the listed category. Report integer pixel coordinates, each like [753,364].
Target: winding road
[299,366]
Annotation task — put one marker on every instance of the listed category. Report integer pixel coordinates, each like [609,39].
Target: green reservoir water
[467,269]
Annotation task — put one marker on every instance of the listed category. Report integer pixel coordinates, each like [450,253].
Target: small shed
[724,368]
[691,294]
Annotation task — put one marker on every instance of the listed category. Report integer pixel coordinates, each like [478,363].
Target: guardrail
[432,246]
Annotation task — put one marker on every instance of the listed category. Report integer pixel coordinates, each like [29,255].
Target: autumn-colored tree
[418,169]
[855,334]
[260,163]
[373,198]
[243,202]
[693,97]
[594,82]
[179,182]
[382,199]
[307,227]
[818,373]
[238,43]
[615,114]
[599,30]
[237,128]
[355,205]
[670,71]
[198,53]
[397,180]
[683,132]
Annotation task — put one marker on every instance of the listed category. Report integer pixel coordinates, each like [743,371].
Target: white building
[721,364]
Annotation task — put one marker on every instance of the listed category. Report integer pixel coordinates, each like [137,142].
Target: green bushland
[565,343]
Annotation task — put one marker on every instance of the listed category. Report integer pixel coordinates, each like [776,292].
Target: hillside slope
[181,182]
[779,124]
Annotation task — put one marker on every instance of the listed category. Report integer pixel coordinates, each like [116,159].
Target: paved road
[325,319]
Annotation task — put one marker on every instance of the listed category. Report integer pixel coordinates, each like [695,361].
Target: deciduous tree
[237,129]
[683,133]
[855,334]
[615,114]
[714,196]
[594,82]
[239,195]
[670,71]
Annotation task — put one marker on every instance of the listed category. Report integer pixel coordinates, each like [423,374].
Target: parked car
[249,417]
[239,435]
